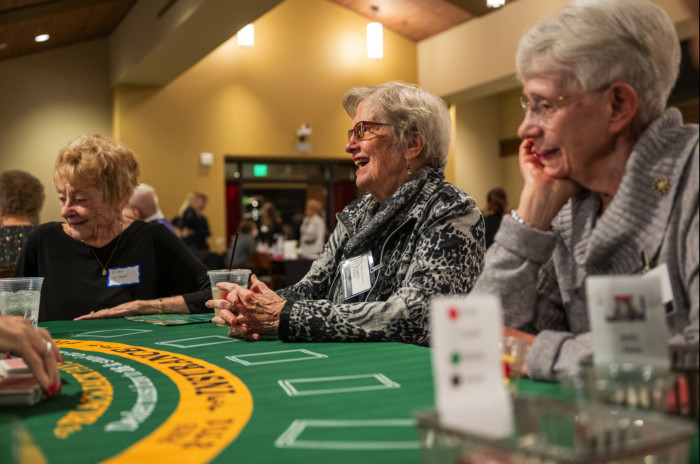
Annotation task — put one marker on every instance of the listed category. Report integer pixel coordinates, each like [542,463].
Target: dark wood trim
[690,109]
[510,146]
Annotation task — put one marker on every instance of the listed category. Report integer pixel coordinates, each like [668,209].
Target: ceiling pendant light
[375,39]
[495,3]
[246,36]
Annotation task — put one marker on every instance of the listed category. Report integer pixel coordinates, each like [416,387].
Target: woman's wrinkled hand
[131,308]
[248,313]
[20,338]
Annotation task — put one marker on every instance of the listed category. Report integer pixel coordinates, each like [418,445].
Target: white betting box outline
[289,439]
[119,333]
[224,339]
[311,355]
[384,383]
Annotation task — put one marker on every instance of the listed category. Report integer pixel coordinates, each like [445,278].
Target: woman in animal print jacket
[412,236]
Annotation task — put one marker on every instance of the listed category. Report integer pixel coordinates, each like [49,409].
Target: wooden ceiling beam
[475,7]
[37,10]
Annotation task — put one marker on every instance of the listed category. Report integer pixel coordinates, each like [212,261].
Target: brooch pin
[662,185]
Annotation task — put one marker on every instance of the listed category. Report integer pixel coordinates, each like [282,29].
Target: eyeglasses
[361,127]
[542,109]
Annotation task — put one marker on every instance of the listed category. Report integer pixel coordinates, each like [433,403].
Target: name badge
[129,275]
[357,275]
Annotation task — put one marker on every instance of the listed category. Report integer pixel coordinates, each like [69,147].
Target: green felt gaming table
[138,392]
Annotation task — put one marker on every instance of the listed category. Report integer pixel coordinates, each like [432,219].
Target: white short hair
[594,43]
[407,108]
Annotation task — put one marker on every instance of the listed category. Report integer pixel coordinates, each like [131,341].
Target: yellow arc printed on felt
[213,408]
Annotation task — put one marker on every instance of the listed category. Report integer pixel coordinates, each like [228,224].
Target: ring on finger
[230,306]
[48,348]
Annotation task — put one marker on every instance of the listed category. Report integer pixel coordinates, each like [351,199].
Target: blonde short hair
[99,161]
[314,205]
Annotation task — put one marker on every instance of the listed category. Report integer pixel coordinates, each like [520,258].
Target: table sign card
[465,337]
[628,321]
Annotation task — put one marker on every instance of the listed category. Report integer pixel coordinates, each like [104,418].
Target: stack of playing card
[18,387]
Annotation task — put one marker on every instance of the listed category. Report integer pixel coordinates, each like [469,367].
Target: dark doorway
[288,185]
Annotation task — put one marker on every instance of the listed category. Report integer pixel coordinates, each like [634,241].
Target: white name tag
[356,275]
[129,275]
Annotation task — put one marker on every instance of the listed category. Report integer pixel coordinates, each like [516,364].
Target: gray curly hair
[407,108]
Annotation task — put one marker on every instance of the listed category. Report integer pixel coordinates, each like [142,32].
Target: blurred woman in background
[194,226]
[312,235]
[21,199]
[497,206]
[270,225]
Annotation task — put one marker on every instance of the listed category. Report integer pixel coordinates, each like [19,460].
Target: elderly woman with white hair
[410,237]
[611,177]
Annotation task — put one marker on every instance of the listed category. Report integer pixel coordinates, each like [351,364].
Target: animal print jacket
[426,239]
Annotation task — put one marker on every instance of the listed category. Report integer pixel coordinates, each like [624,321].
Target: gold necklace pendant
[104,268]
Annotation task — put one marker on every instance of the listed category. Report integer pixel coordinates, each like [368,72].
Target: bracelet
[160,306]
[518,219]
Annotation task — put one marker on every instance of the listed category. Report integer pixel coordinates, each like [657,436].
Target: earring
[408,168]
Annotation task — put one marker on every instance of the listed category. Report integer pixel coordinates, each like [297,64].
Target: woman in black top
[96,261]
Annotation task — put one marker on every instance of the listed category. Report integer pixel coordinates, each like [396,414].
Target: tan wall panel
[48,99]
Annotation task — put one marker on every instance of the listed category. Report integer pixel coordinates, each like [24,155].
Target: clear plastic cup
[20,296]
[236,276]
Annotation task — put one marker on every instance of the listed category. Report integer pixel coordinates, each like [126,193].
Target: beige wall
[48,99]
[478,166]
[250,102]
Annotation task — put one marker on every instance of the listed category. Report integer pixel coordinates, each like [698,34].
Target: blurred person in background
[270,229]
[497,206]
[95,264]
[194,226]
[21,199]
[143,206]
[245,245]
[312,234]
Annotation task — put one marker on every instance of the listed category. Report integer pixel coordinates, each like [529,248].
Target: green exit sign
[260,170]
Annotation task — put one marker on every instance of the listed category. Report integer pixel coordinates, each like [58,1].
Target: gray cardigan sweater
[426,239]
[540,276]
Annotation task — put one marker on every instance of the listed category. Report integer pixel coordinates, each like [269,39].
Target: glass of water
[19,296]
